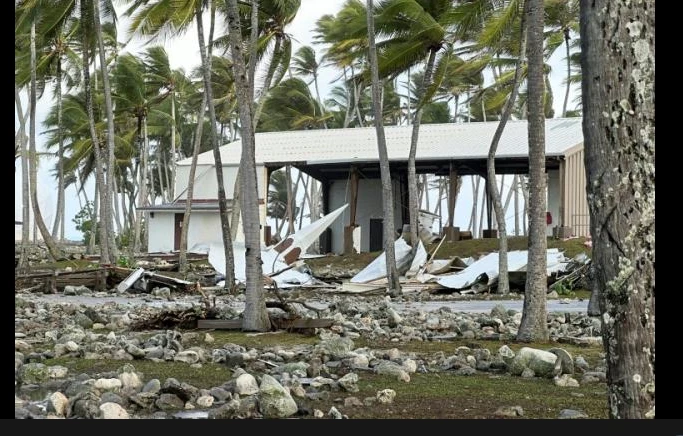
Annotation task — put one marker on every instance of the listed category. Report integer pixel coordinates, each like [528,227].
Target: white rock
[113,411]
[205,401]
[386,396]
[58,403]
[108,384]
[57,371]
[246,385]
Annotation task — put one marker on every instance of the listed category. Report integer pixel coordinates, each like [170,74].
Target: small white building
[346,163]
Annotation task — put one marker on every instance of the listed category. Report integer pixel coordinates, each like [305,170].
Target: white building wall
[161,232]
[369,206]
[204,227]
[553,199]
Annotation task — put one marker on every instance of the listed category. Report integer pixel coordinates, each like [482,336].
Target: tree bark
[218,162]
[618,84]
[108,215]
[255,313]
[100,183]
[142,190]
[58,225]
[393,284]
[503,279]
[182,255]
[534,326]
[25,194]
[569,74]
[412,176]
[53,251]
[171,184]
[290,201]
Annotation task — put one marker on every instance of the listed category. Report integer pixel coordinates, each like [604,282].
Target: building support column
[450,232]
[489,232]
[348,230]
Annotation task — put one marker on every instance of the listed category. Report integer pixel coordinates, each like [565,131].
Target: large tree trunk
[618,64]
[393,284]
[503,279]
[182,255]
[515,187]
[534,326]
[412,176]
[218,162]
[25,200]
[53,250]
[108,216]
[142,190]
[58,225]
[100,184]
[94,214]
[255,313]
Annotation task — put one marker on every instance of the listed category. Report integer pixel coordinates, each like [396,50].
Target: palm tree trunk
[117,214]
[100,184]
[60,159]
[425,188]
[218,162]
[94,214]
[356,101]
[503,280]
[142,188]
[349,102]
[255,313]
[162,188]
[269,78]
[525,195]
[290,201]
[533,326]
[108,216]
[515,187]
[171,183]
[53,250]
[412,176]
[618,66]
[182,255]
[393,284]
[569,74]
[455,109]
[481,212]
[25,195]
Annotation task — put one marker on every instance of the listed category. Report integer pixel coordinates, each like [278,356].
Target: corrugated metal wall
[576,213]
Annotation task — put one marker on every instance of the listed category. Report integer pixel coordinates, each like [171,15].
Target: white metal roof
[436,141]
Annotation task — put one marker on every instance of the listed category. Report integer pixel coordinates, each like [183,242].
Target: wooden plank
[303,323]
[225,324]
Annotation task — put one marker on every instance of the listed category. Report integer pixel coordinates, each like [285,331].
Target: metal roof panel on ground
[436,142]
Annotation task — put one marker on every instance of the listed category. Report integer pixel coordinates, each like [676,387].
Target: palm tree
[290,106]
[151,17]
[29,14]
[562,17]
[503,279]
[533,326]
[616,60]
[393,283]
[305,64]
[255,314]
[161,76]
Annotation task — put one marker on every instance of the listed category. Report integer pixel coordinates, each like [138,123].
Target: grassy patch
[254,340]
[478,247]
[75,264]
[449,396]
[208,376]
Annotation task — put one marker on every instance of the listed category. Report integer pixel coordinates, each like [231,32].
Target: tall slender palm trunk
[533,326]
[393,284]
[255,313]
[412,176]
[503,279]
[109,108]
[182,255]
[215,146]
[58,225]
[25,194]
[53,250]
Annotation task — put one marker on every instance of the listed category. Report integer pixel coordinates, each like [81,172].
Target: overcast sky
[183,52]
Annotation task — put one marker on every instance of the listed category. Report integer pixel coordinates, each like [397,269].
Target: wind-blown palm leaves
[290,106]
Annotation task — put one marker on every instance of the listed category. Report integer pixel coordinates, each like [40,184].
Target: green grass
[75,264]
[478,247]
